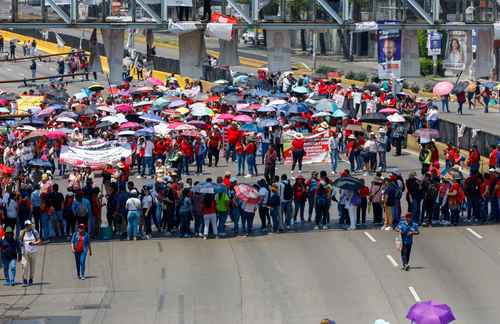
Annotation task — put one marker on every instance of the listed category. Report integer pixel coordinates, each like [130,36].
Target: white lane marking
[391,260]
[8,69]
[414,294]
[370,237]
[473,232]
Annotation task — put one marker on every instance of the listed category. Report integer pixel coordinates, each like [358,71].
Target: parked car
[249,37]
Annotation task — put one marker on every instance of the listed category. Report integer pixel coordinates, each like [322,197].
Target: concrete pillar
[229,51]
[192,53]
[279,51]
[484,55]
[113,45]
[410,62]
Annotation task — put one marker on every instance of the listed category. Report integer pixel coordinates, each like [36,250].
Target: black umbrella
[348,183]
[40,163]
[374,118]
[218,89]
[460,87]
[317,97]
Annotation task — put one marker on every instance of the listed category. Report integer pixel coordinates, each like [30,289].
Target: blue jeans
[185,164]
[234,213]
[80,258]
[382,160]
[249,220]
[286,209]
[221,221]
[199,163]
[460,106]
[416,205]
[274,219]
[241,164]
[243,217]
[231,152]
[147,161]
[486,103]
[133,224]
[342,213]
[46,226]
[9,271]
[299,207]
[445,107]
[396,217]
[474,167]
[334,159]
[251,163]
[265,147]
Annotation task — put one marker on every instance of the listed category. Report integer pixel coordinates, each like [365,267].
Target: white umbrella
[198,105]
[162,129]
[108,109]
[64,119]
[277,102]
[120,119]
[396,118]
[221,82]
[126,133]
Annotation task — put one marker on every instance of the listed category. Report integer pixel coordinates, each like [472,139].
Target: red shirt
[79,244]
[214,140]
[364,192]
[209,210]
[493,158]
[473,157]
[297,144]
[251,148]
[186,149]
[239,148]
[233,135]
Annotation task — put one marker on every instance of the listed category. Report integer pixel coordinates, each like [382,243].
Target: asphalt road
[296,277]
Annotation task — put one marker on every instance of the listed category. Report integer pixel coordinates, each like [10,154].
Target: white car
[249,38]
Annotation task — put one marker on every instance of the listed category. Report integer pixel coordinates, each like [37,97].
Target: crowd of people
[172,130]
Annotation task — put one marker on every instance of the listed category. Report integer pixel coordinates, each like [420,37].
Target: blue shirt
[35,198]
[405,229]
[86,204]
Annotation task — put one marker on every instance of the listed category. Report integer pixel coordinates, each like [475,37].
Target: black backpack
[287,192]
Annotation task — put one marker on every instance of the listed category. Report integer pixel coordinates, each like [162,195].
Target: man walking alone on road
[407,228]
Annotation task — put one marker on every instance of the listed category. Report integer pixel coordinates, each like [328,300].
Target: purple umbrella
[177,103]
[430,312]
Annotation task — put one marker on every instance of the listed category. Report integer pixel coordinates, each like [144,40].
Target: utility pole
[314,39]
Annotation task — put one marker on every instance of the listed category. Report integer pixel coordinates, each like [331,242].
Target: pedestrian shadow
[417,268]
[43,283]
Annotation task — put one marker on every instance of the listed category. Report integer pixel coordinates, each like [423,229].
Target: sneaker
[333,172]
[388,228]
[205,237]
[135,238]
[325,227]
[407,268]
[403,268]
[248,176]
[82,277]
[316,227]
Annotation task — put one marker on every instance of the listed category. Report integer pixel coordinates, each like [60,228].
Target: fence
[449,134]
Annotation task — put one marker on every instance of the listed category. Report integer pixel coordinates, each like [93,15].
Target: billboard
[389,54]
[456,51]
[434,40]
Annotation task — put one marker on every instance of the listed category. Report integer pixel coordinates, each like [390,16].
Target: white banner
[220,31]
[93,158]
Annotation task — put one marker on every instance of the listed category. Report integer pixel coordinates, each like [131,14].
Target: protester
[407,228]
[30,239]
[10,249]
[80,247]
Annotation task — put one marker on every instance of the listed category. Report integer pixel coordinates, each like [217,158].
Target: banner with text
[93,158]
[315,146]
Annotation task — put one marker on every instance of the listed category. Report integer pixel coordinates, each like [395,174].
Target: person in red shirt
[187,154]
[233,136]
[364,192]
[492,161]
[299,198]
[214,145]
[159,150]
[250,151]
[298,151]
[474,159]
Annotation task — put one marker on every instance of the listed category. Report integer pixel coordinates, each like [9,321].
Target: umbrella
[258,93]
[177,103]
[266,109]
[218,89]
[355,128]
[396,118]
[55,134]
[300,90]
[240,79]
[35,134]
[198,105]
[297,119]
[277,102]
[243,119]
[104,124]
[6,169]
[124,108]
[225,117]
[40,163]
[297,108]
[430,312]
[267,123]
[249,127]
[64,119]
[442,88]
[231,99]
[4,110]
[114,119]
[96,87]
[70,114]
[142,103]
[322,114]
[56,106]
[145,132]
[151,118]
[126,133]
[213,99]
[182,110]
[427,132]
[162,129]
[348,183]
[221,82]
[247,194]
[204,187]
[141,90]
[461,86]
[373,118]
[198,123]
[107,109]
[453,173]
[324,105]
[4,102]
[185,127]
[45,112]
[89,111]
[130,125]
[489,84]
[388,111]
[339,113]
[202,111]
[154,81]
[471,87]
[160,103]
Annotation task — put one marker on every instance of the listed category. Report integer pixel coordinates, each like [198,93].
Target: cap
[227,173]
[28,222]
[8,229]
[81,225]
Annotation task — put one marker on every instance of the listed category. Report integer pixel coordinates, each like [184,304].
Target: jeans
[234,213]
[310,202]
[460,106]
[377,212]
[334,159]
[185,164]
[286,209]
[299,207]
[9,270]
[80,258]
[199,163]
[241,164]
[274,219]
[382,160]
[297,159]
[415,206]
[221,222]
[405,254]
[147,161]
[46,226]
[322,215]
[359,160]
[342,213]
[250,164]
[352,158]
[249,220]
[265,147]
[455,215]
[231,152]
[213,153]
[486,103]
[133,224]
[445,107]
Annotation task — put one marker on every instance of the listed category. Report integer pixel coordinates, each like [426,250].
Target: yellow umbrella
[182,110]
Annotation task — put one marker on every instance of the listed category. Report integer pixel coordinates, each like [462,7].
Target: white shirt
[11,209]
[133,204]
[371,146]
[263,192]
[356,97]
[148,149]
[249,208]
[28,238]
[147,202]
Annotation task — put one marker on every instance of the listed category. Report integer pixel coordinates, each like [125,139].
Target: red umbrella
[4,102]
[247,193]
[124,108]
[6,170]
[55,134]
[388,111]
[225,117]
[213,99]
[130,125]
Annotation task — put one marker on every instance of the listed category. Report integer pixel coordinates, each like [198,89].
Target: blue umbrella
[240,79]
[266,109]
[259,93]
[300,90]
[177,103]
[279,96]
[297,108]
[267,123]
[151,118]
[338,113]
[145,132]
[204,187]
[250,127]
[40,163]
[56,106]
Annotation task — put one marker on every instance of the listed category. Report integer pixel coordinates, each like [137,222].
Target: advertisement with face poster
[389,54]
[456,51]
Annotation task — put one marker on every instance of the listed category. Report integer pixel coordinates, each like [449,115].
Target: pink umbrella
[45,112]
[130,125]
[55,134]
[247,193]
[388,111]
[243,118]
[124,108]
[155,81]
[185,127]
[442,88]
[225,117]
[4,102]
[174,125]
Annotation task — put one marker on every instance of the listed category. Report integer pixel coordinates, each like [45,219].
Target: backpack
[82,210]
[287,192]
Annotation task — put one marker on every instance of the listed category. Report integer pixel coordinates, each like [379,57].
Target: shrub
[350,75]
[361,76]
[428,86]
[426,67]
[325,69]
